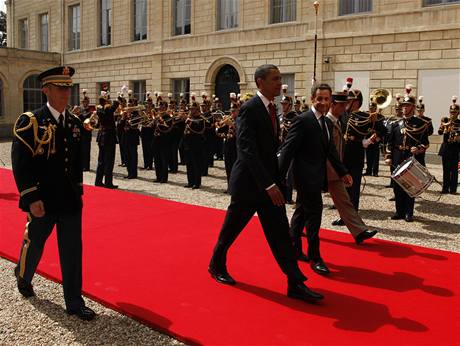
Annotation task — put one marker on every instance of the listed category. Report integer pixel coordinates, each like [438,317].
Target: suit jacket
[256,167]
[305,148]
[41,174]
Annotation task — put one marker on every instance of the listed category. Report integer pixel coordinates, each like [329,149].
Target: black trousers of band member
[68,226]
[194,163]
[450,172]
[105,163]
[208,152]
[403,202]
[372,159]
[276,229]
[161,155]
[308,213]
[121,147]
[131,159]
[174,155]
[354,191]
[219,148]
[147,149]
[86,137]
[230,155]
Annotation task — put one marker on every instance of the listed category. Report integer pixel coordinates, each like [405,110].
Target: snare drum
[412,177]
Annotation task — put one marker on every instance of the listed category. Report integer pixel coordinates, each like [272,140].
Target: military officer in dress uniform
[107,141]
[428,125]
[407,137]
[450,148]
[86,136]
[47,167]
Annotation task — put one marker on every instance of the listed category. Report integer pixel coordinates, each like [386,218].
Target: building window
[140,19]
[75,95]
[44,32]
[33,97]
[182,10]
[74,27]
[138,87]
[227,14]
[1,97]
[438,2]
[24,33]
[102,86]
[282,11]
[354,6]
[179,86]
[289,79]
[105,22]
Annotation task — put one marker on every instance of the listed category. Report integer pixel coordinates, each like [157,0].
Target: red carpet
[148,258]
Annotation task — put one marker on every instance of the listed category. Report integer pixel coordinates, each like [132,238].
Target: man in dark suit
[254,187]
[47,166]
[308,146]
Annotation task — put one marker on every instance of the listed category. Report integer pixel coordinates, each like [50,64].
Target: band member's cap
[408,99]
[59,76]
[339,96]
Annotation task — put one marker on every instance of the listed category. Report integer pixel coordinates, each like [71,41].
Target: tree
[2,29]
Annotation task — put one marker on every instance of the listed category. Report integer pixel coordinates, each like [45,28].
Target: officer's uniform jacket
[47,161]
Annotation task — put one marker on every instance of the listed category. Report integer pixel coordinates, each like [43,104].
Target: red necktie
[272,111]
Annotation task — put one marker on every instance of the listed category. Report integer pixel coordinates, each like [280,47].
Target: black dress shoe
[409,218]
[111,186]
[365,235]
[302,292]
[194,187]
[24,287]
[320,267]
[365,174]
[157,181]
[221,276]
[83,313]
[338,222]
[302,257]
[397,217]
[188,185]
[99,184]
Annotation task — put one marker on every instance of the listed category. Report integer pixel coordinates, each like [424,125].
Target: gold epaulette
[32,123]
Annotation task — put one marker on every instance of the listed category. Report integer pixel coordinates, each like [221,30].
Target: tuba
[92,123]
[382,97]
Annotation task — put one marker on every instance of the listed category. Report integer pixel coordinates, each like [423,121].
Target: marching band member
[147,132]
[297,104]
[450,148]
[194,141]
[86,136]
[176,134]
[210,133]
[162,140]
[131,138]
[407,137]
[107,141]
[373,149]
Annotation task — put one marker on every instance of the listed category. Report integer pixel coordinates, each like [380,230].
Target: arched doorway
[227,80]
[33,96]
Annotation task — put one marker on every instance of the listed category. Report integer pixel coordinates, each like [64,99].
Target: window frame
[143,35]
[139,88]
[23,37]
[283,6]
[234,15]
[442,3]
[289,79]
[187,10]
[75,95]
[356,10]
[36,89]
[184,87]
[107,35]
[42,41]
[74,43]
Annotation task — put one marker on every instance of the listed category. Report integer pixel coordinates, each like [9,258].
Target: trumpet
[226,120]
[92,123]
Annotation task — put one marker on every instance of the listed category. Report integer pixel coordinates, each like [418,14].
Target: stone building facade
[389,44]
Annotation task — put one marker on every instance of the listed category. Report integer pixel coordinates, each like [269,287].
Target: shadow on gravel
[397,281]
[389,249]
[438,208]
[375,214]
[342,309]
[102,330]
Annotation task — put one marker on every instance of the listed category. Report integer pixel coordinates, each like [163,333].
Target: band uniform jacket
[450,147]
[306,148]
[399,145]
[256,166]
[107,134]
[52,172]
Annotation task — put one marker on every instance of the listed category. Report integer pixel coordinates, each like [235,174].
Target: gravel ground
[42,320]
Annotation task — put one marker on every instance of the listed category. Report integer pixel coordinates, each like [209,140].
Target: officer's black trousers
[68,226]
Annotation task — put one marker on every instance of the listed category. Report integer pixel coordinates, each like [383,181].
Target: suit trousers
[68,226]
[276,229]
[347,211]
[308,213]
